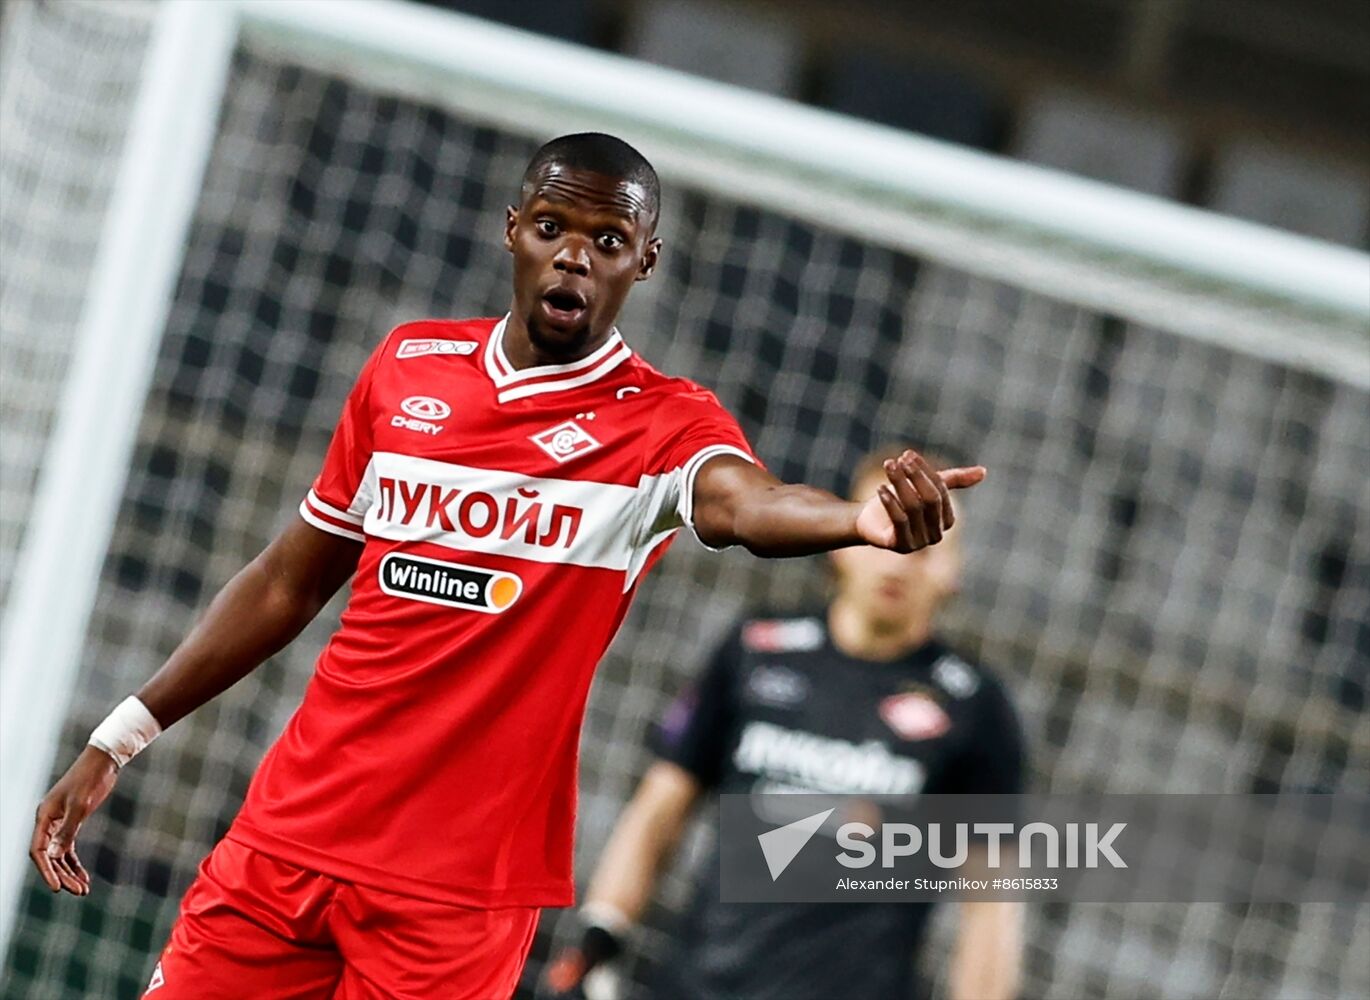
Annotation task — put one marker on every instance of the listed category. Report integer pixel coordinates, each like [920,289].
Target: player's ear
[649,259]
[511,221]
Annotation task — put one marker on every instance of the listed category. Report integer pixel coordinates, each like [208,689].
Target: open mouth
[563,305]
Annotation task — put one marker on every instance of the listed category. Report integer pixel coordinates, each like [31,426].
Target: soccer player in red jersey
[494,491]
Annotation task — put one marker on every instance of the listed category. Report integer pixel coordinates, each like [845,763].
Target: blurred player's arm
[691,746]
[986,962]
[257,613]
[987,959]
[738,503]
[642,842]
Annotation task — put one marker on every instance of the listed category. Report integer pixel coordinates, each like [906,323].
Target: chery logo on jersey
[777,685]
[565,441]
[419,348]
[955,675]
[451,584]
[426,408]
[422,410]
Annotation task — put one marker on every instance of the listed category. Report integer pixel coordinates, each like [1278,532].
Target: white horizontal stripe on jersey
[616,527]
[327,508]
[328,526]
[660,503]
[411,501]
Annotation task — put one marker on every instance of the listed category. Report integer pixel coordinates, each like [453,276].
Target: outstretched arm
[261,609]
[737,503]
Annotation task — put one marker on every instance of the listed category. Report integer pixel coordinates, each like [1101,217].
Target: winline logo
[450,584]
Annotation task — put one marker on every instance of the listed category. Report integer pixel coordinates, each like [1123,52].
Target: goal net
[56,168]
[1169,564]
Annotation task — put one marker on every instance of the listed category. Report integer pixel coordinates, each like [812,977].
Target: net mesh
[60,136]
[1169,565]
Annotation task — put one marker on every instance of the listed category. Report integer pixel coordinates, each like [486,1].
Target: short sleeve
[995,762]
[695,731]
[689,429]
[337,502]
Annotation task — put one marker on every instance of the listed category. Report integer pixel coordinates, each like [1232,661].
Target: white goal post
[1272,295]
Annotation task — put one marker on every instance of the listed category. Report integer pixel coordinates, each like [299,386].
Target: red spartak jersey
[507,518]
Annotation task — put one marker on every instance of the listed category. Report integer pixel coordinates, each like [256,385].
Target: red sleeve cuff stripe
[321,506]
[325,523]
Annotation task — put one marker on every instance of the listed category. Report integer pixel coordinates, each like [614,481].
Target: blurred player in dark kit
[858,696]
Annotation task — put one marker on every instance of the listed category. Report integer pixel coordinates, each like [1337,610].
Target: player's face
[579,242]
[893,589]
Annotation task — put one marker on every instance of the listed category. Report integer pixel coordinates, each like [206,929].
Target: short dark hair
[597,153]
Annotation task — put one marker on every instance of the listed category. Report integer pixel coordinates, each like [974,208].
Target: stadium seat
[1083,136]
[719,42]
[1284,189]
[926,99]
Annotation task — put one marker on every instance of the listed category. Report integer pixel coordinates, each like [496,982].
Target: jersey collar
[511,383]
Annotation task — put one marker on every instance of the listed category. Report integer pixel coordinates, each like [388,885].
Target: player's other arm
[258,612]
[987,959]
[643,840]
[641,844]
[738,503]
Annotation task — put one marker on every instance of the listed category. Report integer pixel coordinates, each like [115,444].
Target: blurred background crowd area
[1255,108]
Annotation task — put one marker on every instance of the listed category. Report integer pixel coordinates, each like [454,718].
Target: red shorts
[252,926]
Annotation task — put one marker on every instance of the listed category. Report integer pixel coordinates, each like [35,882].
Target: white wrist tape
[126,731]
[606,916]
